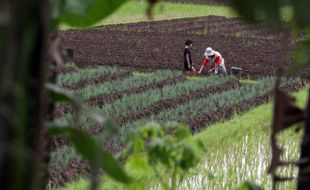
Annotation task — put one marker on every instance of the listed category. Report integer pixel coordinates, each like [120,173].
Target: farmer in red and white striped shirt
[217,61]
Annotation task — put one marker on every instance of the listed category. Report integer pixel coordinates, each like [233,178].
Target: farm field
[250,137]
[155,95]
[161,44]
[129,69]
[133,98]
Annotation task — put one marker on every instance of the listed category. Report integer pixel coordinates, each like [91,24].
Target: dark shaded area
[23,106]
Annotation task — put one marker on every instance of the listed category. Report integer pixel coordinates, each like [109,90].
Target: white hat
[209,52]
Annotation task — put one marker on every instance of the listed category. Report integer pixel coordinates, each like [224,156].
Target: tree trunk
[24,27]
[304,168]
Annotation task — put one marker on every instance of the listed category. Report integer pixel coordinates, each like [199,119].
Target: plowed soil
[159,45]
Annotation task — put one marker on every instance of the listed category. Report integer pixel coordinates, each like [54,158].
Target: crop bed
[159,45]
[135,98]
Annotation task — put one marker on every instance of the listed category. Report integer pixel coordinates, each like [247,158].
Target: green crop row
[139,101]
[71,78]
[216,101]
[124,84]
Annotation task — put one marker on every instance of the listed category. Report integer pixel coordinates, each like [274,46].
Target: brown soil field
[159,45]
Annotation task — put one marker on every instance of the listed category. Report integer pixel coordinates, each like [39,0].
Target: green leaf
[96,116]
[58,94]
[249,186]
[113,169]
[85,145]
[302,54]
[301,12]
[138,161]
[79,7]
[182,132]
[257,11]
[55,129]
[83,13]
[201,145]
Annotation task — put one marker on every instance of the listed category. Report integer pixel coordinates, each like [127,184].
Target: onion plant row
[216,101]
[124,84]
[71,78]
[139,101]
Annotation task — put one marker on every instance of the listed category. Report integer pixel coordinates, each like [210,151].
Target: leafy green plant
[169,151]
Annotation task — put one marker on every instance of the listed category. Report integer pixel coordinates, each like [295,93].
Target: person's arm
[193,69]
[216,64]
[203,65]
[214,67]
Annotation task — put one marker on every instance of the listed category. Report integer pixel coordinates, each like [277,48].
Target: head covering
[209,52]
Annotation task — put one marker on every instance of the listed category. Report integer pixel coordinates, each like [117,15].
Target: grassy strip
[135,11]
[217,136]
[248,81]
[72,78]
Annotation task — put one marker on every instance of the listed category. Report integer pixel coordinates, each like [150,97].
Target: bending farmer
[188,62]
[217,61]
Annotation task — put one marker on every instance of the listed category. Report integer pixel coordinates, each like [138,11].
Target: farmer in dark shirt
[188,62]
